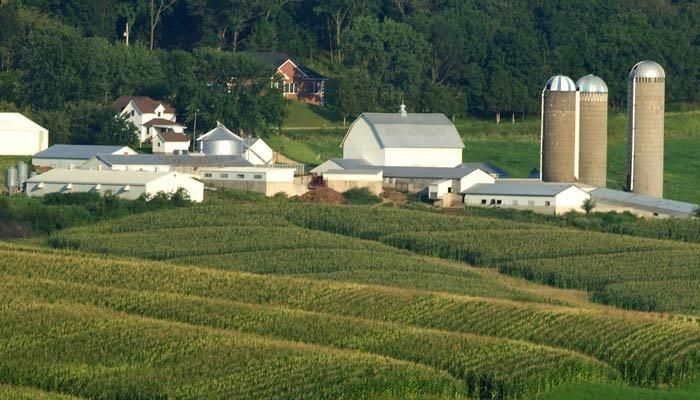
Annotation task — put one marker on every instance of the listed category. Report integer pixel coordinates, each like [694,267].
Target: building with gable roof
[148,115]
[20,136]
[299,81]
[222,141]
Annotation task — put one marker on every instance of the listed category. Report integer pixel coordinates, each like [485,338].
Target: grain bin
[11,181]
[22,172]
[645,129]
[559,130]
[593,131]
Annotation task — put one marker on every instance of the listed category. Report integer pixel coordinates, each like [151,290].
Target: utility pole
[126,34]
[194,132]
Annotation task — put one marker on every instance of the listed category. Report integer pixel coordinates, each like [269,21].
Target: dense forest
[63,61]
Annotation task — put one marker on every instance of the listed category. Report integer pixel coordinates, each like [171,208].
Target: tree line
[453,56]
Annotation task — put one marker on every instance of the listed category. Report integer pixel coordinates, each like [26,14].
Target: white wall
[95,163]
[476,177]
[170,183]
[437,190]
[571,199]
[134,191]
[23,142]
[422,157]
[61,163]
[160,146]
[360,143]
[261,153]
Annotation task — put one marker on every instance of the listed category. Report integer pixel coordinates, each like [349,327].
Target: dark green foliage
[361,196]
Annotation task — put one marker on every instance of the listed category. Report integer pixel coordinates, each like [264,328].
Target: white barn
[20,136]
[542,197]
[125,184]
[403,139]
[72,155]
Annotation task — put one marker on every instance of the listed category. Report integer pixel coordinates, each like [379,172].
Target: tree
[96,123]
[588,205]
[338,15]
[158,7]
[696,212]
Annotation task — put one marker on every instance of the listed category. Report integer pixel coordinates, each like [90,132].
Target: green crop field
[276,299]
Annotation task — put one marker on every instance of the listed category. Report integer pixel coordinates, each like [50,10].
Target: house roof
[221,132]
[519,187]
[12,121]
[276,60]
[106,177]
[171,136]
[78,151]
[424,130]
[191,160]
[161,122]
[643,202]
[144,103]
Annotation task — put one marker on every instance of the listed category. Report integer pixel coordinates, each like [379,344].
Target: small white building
[73,155]
[266,180]
[125,184]
[20,136]
[170,143]
[527,194]
[438,189]
[148,115]
[403,139]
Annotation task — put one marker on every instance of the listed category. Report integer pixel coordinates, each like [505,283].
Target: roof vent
[402,110]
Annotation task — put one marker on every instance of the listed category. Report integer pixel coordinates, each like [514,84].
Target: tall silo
[559,130]
[645,129]
[593,131]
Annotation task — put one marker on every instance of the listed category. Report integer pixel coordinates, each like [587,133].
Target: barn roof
[458,172]
[193,160]
[424,130]
[78,151]
[644,202]
[519,187]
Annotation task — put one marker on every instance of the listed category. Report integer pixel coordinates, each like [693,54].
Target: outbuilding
[345,179]
[170,143]
[72,155]
[185,163]
[266,180]
[20,136]
[524,194]
[125,184]
[640,204]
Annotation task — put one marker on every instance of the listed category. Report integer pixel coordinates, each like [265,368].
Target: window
[257,176]
[515,202]
[547,203]
[483,201]
[531,203]
[159,113]
[240,176]
[449,190]
[223,175]
[499,201]
[207,175]
[286,87]
[433,195]
[132,113]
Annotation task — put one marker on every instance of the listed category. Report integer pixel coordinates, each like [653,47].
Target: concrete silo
[559,130]
[645,129]
[593,131]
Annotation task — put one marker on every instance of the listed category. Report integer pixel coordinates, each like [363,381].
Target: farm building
[148,115]
[527,194]
[220,141]
[128,185]
[170,143]
[299,81]
[403,139]
[266,180]
[72,155]
[20,136]
[187,163]
[346,179]
[640,204]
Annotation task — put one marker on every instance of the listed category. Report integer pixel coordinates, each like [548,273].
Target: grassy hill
[276,299]
[515,147]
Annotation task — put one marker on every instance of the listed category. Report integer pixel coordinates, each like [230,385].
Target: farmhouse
[148,115]
[20,136]
[266,180]
[403,139]
[72,155]
[170,143]
[527,194]
[128,185]
[220,141]
[640,204]
[299,81]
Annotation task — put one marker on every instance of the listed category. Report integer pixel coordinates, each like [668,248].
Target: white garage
[20,136]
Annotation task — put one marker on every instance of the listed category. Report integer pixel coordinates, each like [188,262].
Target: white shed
[20,136]
[125,184]
[72,155]
[403,139]
[543,197]
[170,143]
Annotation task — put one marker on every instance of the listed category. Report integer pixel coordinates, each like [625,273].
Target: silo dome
[591,84]
[647,69]
[560,83]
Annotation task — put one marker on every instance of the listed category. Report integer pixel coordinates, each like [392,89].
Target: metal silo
[559,130]
[593,131]
[225,147]
[11,180]
[645,129]
[22,172]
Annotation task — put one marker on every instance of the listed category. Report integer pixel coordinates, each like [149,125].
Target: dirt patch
[13,230]
[323,195]
[393,197]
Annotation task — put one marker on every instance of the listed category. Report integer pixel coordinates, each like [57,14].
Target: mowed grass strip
[96,353]
[495,367]
[10,392]
[643,349]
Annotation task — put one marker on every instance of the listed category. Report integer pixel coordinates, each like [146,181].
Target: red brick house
[300,82]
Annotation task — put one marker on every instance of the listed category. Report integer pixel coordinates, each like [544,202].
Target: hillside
[216,310]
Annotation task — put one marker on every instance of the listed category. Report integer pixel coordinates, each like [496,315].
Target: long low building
[527,194]
[648,206]
[125,184]
[185,163]
[266,180]
[73,155]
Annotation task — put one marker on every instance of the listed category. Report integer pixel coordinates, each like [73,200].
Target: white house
[543,197]
[148,115]
[222,141]
[72,155]
[20,136]
[403,139]
[170,142]
[125,184]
